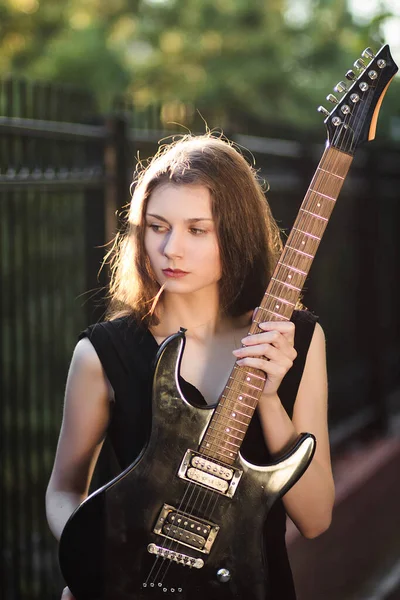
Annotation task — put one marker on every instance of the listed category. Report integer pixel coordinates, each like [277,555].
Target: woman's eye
[157,228]
[197,231]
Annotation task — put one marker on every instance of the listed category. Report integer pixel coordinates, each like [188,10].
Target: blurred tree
[243,63]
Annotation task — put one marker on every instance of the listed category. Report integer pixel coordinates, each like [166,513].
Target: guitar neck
[241,394]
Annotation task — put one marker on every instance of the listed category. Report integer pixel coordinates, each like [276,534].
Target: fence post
[116,169]
[102,214]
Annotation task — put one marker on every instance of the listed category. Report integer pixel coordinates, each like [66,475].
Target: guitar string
[213,494]
[189,513]
[191,487]
[206,493]
[169,540]
[201,490]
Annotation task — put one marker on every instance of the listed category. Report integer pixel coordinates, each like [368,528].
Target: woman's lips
[174,273]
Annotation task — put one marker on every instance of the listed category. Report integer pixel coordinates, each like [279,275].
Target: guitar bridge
[190,531]
[212,475]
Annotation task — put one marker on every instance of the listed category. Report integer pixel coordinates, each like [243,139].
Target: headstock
[353,120]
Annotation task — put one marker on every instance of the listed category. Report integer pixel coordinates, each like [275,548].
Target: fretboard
[243,390]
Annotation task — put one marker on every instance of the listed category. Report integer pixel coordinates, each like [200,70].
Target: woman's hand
[272,351]
[66,594]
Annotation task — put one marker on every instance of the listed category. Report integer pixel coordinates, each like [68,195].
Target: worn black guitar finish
[106,547]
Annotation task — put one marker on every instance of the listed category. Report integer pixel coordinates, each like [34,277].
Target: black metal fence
[64,172]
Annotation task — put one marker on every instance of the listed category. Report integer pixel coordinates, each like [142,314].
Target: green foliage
[271,61]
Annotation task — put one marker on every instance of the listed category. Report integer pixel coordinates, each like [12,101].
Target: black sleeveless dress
[127,351]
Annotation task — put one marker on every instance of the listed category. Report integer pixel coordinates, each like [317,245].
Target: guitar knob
[223,575]
[322,109]
[332,99]
[340,87]
[367,53]
[360,64]
[350,75]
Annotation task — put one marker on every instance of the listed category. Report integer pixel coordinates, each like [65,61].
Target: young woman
[199,248]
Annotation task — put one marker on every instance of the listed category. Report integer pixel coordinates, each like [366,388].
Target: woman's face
[180,238]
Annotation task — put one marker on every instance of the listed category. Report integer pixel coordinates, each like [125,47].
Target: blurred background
[86,89]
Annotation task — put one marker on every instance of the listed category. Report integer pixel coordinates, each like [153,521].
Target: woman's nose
[173,245]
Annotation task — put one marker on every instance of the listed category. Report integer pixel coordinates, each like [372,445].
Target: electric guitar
[185,519]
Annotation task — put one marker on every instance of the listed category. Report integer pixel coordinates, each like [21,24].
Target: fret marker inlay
[243,390]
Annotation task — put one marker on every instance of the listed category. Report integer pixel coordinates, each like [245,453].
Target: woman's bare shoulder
[86,364]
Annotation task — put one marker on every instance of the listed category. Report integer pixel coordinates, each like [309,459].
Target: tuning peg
[360,64]
[332,99]
[350,75]
[322,109]
[340,87]
[367,53]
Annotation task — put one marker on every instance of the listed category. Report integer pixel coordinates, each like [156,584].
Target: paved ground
[359,557]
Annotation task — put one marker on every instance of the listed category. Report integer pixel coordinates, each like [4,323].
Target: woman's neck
[199,313]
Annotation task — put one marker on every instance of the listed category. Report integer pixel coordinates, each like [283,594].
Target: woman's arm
[309,502]
[85,420]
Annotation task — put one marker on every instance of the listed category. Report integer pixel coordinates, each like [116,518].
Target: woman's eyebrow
[192,220]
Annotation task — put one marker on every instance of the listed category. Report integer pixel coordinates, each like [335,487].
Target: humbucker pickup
[186,529]
[213,475]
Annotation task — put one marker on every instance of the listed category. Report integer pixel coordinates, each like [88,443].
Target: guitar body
[104,549]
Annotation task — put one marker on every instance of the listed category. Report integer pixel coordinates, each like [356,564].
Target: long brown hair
[248,236]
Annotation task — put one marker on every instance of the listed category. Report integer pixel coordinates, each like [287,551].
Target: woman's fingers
[271,351]
[285,328]
[270,367]
[254,345]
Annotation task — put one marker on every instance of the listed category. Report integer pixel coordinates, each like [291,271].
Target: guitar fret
[271,312]
[225,412]
[300,251]
[330,173]
[254,387]
[236,407]
[221,452]
[323,195]
[224,438]
[293,287]
[281,300]
[307,233]
[235,419]
[313,214]
[293,268]
[228,417]
[225,426]
[242,394]
[238,373]
[210,433]
[235,401]
[281,291]
[249,375]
